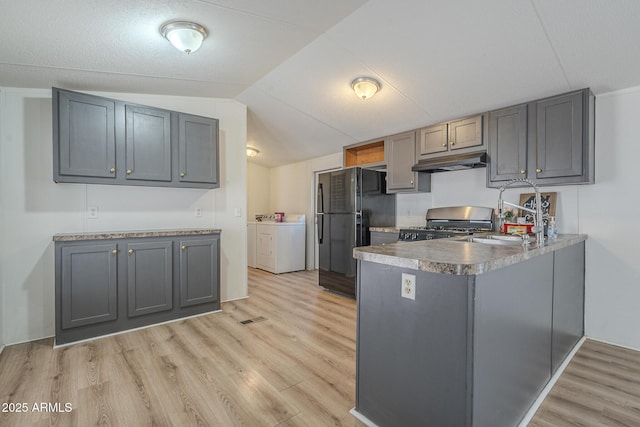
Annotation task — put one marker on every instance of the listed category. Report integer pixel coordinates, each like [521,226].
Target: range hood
[453,162]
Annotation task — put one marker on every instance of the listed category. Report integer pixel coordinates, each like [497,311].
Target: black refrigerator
[349,201]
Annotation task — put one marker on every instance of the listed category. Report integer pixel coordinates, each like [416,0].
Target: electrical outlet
[408,286]
[198,211]
[92,212]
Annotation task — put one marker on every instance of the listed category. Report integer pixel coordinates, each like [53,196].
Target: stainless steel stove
[451,221]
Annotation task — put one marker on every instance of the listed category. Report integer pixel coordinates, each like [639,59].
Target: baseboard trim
[235,299]
[134,329]
[614,344]
[362,418]
[545,391]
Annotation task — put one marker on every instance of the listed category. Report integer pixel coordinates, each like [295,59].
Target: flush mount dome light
[252,152]
[183,35]
[365,87]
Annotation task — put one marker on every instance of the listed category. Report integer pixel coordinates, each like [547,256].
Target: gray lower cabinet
[88,284]
[111,285]
[548,141]
[568,302]
[105,141]
[198,282]
[400,155]
[381,237]
[149,277]
[469,350]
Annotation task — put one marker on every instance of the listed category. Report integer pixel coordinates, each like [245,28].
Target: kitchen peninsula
[453,332]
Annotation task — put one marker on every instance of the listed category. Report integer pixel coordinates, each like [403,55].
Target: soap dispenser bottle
[552,228]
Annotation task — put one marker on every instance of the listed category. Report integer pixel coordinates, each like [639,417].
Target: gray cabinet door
[199,271]
[198,149]
[401,156]
[559,137]
[88,284]
[148,143]
[568,302]
[149,277]
[433,139]
[508,143]
[84,135]
[465,133]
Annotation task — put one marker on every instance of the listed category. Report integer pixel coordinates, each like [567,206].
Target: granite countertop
[456,256]
[385,229]
[70,237]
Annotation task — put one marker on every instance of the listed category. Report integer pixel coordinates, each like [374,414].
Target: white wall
[289,186]
[290,189]
[289,193]
[34,207]
[258,190]
[608,213]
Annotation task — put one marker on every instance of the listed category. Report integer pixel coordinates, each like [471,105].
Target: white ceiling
[291,61]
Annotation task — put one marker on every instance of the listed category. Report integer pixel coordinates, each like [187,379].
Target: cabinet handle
[130,251]
[183,247]
[112,170]
[538,170]
[129,171]
[452,143]
[181,174]
[444,144]
[411,182]
[115,251]
[522,171]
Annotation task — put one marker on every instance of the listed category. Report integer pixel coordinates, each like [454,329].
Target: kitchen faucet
[538,224]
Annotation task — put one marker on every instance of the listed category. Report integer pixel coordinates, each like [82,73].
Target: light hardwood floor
[295,367]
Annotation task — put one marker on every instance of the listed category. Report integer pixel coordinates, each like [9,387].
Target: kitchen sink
[496,239]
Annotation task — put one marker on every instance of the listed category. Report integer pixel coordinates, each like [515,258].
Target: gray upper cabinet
[508,143]
[559,137]
[198,149]
[104,141]
[84,130]
[456,136]
[149,277]
[88,287]
[199,271]
[549,141]
[400,154]
[148,142]
[433,139]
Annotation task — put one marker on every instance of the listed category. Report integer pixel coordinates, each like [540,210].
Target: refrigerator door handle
[358,221]
[320,225]
[320,199]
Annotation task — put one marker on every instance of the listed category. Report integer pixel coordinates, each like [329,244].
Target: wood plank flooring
[294,368]
[599,387]
[294,365]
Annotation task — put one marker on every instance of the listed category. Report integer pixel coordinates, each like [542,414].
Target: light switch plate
[92,212]
[408,286]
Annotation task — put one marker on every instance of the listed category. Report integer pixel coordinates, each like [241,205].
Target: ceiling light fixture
[183,35]
[365,87]
[252,152]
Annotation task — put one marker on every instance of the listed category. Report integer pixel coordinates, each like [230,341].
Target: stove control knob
[414,236]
